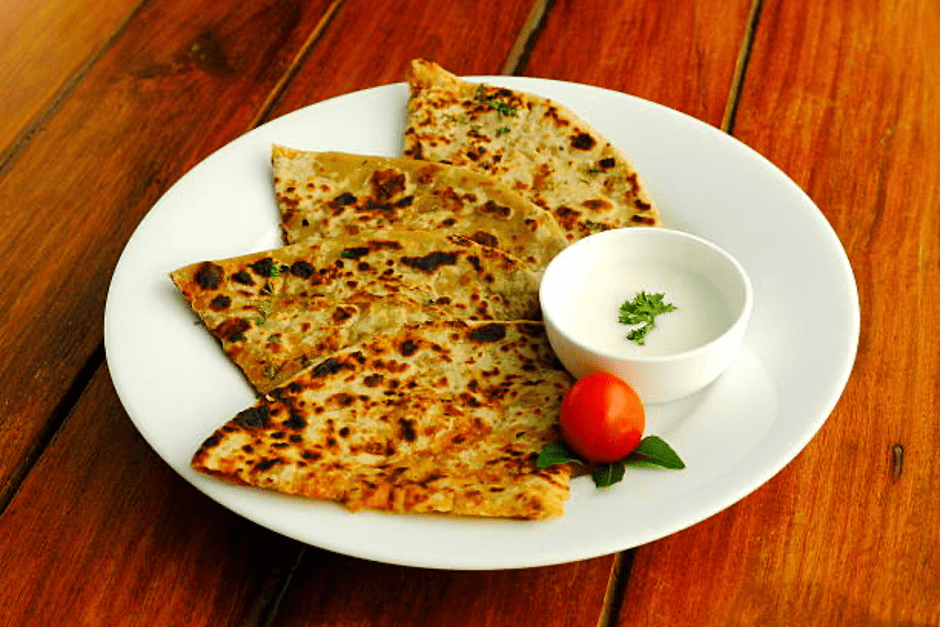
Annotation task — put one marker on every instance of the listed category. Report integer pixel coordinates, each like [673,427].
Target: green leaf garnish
[642,310]
[653,452]
[605,475]
[503,130]
[556,453]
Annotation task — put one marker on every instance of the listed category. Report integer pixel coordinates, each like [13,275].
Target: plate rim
[475,562]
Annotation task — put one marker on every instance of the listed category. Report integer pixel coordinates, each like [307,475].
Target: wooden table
[106,103]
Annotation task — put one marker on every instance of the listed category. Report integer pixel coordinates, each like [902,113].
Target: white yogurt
[701,314]
[583,289]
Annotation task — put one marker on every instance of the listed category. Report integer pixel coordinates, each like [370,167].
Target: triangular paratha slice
[530,144]
[276,311]
[437,417]
[326,194]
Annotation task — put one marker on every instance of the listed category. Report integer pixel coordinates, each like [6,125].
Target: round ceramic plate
[178,386]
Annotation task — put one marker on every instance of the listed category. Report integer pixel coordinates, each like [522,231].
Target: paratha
[531,144]
[329,194]
[276,311]
[437,417]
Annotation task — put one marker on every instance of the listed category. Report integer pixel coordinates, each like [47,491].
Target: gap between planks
[515,62]
[264,610]
[617,588]
[277,92]
[519,53]
[8,156]
[741,65]
[59,415]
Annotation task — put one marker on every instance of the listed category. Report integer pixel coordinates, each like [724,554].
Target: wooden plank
[448,33]
[679,54]
[103,532]
[183,79]
[43,47]
[370,593]
[843,96]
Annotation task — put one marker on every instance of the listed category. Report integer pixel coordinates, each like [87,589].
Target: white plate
[178,387]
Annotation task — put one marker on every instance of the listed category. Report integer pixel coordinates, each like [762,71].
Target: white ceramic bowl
[584,286]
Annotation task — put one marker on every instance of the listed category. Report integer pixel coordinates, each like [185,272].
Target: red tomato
[602,418]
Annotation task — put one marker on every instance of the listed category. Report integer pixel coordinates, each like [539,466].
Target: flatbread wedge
[529,143]
[437,417]
[275,312]
[328,194]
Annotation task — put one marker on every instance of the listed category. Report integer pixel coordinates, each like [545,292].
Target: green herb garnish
[642,310]
[502,107]
[503,130]
[481,96]
[264,310]
[651,452]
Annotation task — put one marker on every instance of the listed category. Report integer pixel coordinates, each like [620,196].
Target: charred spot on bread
[302,269]
[220,303]
[263,267]
[329,366]
[387,183]
[243,278]
[253,418]
[583,141]
[343,200]
[493,332]
[431,261]
[208,275]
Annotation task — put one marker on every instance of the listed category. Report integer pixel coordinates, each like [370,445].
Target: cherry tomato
[602,418]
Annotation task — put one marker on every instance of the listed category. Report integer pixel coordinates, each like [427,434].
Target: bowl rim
[740,320]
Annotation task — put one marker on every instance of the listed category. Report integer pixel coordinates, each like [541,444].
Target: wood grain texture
[843,96]
[103,532]
[332,590]
[183,79]
[43,47]
[367,44]
[356,592]
[679,54]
